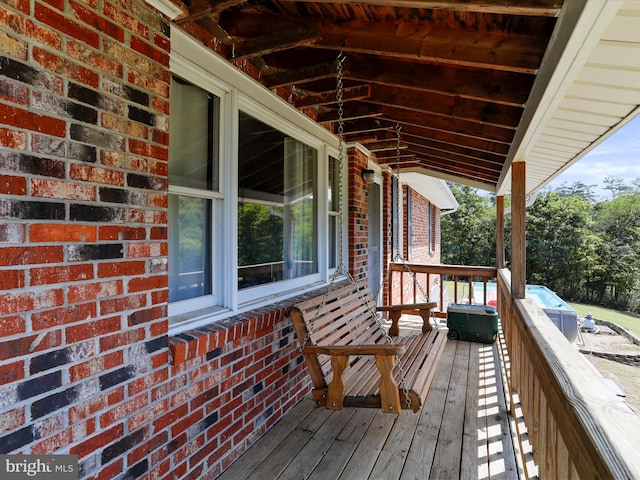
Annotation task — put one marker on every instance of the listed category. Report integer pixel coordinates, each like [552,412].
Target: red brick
[117,340]
[92,329]
[17,117]
[116,305]
[64,190]
[42,232]
[123,410]
[67,26]
[11,372]
[99,23]
[139,147]
[89,408]
[121,232]
[96,442]
[147,283]
[157,441]
[88,173]
[27,345]
[11,256]
[13,139]
[66,68]
[162,57]
[14,93]
[145,382]
[12,325]
[92,291]
[95,366]
[148,216]
[119,269]
[26,301]
[10,185]
[60,274]
[12,279]
[12,420]
[45,35]
[63,316]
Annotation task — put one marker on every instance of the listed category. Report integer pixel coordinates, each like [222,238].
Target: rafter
[300,75]
[471,109]
[415,42]
[485,85]
[546,8]
[386,145]
[204,8]
[351,112]
[359,92]
[300,34]
[454,125]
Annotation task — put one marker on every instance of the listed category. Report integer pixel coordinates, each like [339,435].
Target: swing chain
[340,269]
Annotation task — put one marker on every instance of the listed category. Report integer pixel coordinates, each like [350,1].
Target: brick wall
[86,363]
[357,214]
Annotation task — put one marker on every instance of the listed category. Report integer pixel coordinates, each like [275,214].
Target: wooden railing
[577,426]
[411,282]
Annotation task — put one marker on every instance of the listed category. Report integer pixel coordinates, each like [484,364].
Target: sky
[618,155]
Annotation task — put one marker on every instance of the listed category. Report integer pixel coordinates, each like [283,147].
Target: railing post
[500,231]
[518,229]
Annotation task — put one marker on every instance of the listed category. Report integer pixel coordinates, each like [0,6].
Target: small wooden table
[396,311]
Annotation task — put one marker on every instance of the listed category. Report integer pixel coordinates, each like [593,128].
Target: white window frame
[237,92]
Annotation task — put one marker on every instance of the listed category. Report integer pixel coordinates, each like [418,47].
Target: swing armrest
[395,311]
[346,350]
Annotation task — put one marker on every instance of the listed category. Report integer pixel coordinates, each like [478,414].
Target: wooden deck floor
[463,431]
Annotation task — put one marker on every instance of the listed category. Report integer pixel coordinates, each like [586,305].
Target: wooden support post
[500,231]
[518,229]
[389,393]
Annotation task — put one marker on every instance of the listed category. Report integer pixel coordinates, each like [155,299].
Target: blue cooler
[476,323]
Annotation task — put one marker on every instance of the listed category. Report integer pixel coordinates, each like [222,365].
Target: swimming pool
[559,312]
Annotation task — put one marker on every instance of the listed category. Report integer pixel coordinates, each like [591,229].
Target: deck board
[463,431]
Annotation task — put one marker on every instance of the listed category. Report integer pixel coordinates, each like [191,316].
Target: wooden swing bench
[337,330]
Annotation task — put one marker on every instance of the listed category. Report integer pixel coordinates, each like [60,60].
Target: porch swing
[352,359]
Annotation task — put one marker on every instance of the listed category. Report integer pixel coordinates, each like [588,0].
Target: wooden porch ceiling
[454,76]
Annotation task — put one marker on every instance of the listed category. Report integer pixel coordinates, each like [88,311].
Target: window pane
[189,247]
[193,133]
[277,210]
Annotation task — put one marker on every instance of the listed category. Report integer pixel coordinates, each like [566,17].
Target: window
[253,200]
[277,212]
[194,186]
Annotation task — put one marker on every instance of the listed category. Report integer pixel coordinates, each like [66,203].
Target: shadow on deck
[463,431]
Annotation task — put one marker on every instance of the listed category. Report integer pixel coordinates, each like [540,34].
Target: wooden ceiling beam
[456,139]
[301,75]
[452,148]
[351,112]
[301,33]
[417,42]
[450,168]
[359,92]
[449,124]
[386,145]
[536,8]
[456,159]
[470,109]
[366,126]
[204,8]
[507,88]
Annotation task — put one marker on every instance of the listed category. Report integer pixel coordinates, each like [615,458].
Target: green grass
[626,320]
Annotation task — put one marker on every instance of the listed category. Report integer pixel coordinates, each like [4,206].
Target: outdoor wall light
[368,175]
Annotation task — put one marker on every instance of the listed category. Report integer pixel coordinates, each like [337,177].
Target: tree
[560,242]
[469,233]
